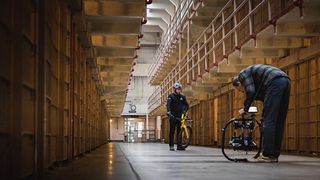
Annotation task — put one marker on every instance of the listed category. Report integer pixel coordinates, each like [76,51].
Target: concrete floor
[154,161]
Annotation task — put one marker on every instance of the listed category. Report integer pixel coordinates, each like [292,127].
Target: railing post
[198,60]
[188,36]
[223,35]
[269,11]
[171,78]
[165,89]
[205,53]
[192,63]
[250,18]
[235,24]
[162,94]
[180,48]
[176,75]
[188,56]
[213,45]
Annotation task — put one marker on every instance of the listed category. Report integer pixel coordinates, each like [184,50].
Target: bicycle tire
[188,142]
[223,145]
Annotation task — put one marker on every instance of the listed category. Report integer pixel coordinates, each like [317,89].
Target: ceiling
[118,29]
[115,28]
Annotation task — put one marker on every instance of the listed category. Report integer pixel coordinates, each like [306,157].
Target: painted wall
[117,129]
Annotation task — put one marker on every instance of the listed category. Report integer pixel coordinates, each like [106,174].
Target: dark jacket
[255,80]
[177,105]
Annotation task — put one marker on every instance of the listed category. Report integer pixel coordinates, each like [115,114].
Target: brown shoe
[267,159]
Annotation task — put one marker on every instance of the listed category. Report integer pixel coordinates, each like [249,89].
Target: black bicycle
[243,141]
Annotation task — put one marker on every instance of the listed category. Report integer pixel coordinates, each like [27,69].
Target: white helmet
[177,85]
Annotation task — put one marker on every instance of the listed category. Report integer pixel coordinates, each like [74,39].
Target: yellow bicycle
[185,135]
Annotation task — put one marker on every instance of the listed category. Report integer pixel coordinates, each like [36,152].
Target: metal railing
[170,37]
[237,23]
[141,136]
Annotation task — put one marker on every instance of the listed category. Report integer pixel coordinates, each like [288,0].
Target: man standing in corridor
[176,105]
[272,86]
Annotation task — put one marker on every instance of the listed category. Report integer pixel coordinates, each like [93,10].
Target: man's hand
[185,112]
[241,111]
[170,115]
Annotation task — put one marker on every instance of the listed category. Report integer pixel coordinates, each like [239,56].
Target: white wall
[138,94]
[141,70]
[117,129]
[145,55]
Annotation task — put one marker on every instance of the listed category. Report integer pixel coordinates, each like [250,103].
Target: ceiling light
[148,1]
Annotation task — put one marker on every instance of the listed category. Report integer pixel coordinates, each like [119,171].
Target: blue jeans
[276,103]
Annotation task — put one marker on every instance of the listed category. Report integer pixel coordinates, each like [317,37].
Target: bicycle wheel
[235,144]
[183,140]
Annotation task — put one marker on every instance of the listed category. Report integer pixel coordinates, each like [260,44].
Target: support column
[147,125]
[15,88]
[40,90]
[158,127]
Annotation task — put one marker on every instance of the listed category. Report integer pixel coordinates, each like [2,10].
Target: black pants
[276,103]
[174,124]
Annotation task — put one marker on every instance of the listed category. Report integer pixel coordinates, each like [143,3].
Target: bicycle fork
[184,127]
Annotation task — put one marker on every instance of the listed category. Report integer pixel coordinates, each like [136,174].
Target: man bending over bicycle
[176,105]
[272,86]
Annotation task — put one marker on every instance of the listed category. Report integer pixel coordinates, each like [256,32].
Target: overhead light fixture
[148,1]
[140,36]
[144,20]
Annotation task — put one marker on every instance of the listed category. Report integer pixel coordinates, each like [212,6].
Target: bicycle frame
[184,125]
